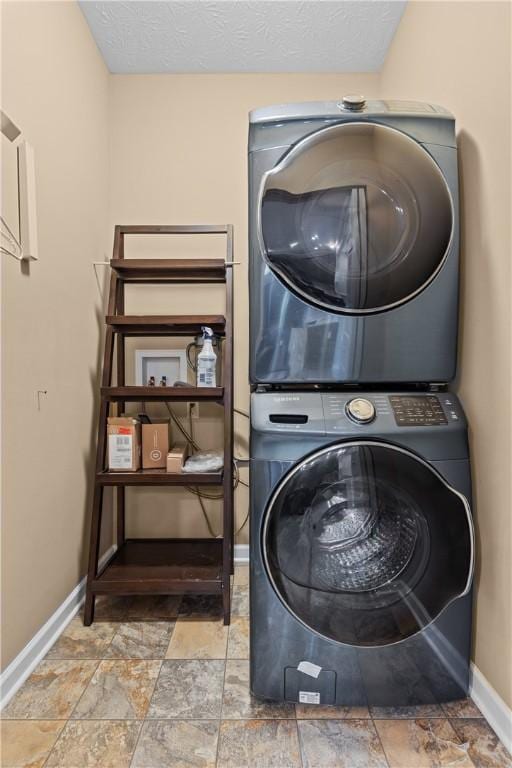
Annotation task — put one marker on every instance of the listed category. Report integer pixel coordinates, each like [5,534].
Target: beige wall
[179,154]
[55,87]
[458,55]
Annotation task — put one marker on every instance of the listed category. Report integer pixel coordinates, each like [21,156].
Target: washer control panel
[417,410]
[354,413]
[360,410]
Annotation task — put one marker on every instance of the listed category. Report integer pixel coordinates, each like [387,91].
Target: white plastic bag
[204,461]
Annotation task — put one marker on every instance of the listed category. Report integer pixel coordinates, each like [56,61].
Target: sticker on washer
[309,697]
[313,670]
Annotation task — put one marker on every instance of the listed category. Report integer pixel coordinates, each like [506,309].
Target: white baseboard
[492,706]
[21,667]
[241,553]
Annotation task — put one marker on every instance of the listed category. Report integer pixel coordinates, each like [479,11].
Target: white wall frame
[169,362]
[27,201]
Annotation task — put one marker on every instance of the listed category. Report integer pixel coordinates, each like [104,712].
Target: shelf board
[174,229]
[156,394]
[163,566]
[159,477]
[171,270]
[175,325]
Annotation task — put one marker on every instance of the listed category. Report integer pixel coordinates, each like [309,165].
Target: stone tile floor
[159,682]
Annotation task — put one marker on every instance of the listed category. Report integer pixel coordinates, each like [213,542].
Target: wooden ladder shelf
[162,566]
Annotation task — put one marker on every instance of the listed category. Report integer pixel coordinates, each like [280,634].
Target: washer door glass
[356,218]
[366,544]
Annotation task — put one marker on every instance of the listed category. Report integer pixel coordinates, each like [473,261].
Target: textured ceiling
[142,36]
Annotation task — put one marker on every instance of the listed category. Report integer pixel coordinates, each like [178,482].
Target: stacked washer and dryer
[362,538]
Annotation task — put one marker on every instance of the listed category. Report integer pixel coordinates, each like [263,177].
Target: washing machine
[362,548]
[353,243]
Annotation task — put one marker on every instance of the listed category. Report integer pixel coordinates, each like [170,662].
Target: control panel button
[360,410]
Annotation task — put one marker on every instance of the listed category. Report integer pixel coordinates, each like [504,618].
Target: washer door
[366,544]
[357,218]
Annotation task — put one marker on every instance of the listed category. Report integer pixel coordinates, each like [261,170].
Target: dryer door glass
[356,218]
[366,544]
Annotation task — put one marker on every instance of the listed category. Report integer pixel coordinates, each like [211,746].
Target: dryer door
[366,544]
[356,218]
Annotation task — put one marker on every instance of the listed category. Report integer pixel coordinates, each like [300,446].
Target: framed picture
[160,365]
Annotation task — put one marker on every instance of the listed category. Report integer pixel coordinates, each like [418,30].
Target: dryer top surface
[328,109]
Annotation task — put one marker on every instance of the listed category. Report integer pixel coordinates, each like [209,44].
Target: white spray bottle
[206,361]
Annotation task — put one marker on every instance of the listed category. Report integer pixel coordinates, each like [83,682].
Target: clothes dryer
[353,243]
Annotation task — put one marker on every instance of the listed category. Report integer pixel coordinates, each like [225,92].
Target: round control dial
[360,410]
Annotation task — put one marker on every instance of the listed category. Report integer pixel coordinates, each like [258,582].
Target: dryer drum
[366,544]
[356,218]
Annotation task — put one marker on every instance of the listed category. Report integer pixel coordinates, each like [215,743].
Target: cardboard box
[155,444]
[177,457]
[123,443]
